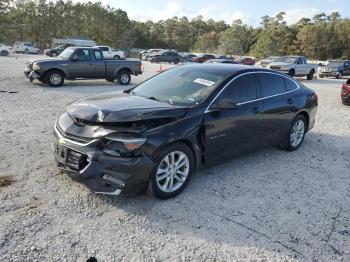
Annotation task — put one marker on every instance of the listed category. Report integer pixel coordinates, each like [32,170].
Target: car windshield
[335,63]
[66,53]
[181,86]
[287,59]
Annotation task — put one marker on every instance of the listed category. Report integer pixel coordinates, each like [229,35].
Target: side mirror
[225,104]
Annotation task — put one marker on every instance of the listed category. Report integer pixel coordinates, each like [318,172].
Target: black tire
[288,146]
[54,78]
[116,57]
[124,77]
[153,187]
[340,76]
[310,76]
[321,76]
[291,73]
[26,51]
[4,53]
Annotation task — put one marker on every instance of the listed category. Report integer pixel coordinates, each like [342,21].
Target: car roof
[222,68]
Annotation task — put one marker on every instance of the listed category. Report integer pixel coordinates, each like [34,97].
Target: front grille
[75,138]
[275,67]
[76,160]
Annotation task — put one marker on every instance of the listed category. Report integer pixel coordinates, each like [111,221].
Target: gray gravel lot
[267,206]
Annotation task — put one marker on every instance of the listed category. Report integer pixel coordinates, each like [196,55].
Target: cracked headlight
[36,67]
[122,146]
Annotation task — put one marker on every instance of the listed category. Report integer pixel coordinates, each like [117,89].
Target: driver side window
[81,55]
[243,89]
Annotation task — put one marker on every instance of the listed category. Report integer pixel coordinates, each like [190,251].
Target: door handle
[290,101]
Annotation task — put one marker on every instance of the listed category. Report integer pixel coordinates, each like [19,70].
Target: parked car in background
[345,93]
[5,50]
[294,66]
[81,63]
[109,53]
[336,69]
[221,61]
[157,134]
[146,55]
[165,56]
[265,62]
[202,58]
[188,58]
[25,47]
[54,52]
[246,61]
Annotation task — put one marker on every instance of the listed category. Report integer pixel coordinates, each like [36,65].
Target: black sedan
[155,135]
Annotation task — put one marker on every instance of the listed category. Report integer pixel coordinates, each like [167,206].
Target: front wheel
[172,172]
[54,78]
[340,75]
[4,53]
[296,133]
[124,78]
[116,57]
[291,73]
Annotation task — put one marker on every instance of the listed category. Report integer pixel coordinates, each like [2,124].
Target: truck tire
[124,77]
[310,76]
[116,57]
[4,53]
[340,75]
[291,73]
[26,51]
[54,78]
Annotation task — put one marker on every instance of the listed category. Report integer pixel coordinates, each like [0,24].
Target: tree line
[320,37]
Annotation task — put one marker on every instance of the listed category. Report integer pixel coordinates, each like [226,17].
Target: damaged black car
[155,135]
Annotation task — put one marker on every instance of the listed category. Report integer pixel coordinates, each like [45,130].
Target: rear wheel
[26,51]
[310,76]
[172,172]
[291,73]
[296,133]
[124,77]
[4,53]
[116,57]
[54,78]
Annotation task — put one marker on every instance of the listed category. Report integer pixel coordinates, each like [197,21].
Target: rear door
[233,132]
[81,64]
[280,106]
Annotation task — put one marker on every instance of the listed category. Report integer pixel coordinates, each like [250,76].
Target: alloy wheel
[55,79]
[297,133]
[172,171]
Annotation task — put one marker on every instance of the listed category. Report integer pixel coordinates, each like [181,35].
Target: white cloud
[294,15]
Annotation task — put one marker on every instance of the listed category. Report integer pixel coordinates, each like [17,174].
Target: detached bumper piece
[32,75]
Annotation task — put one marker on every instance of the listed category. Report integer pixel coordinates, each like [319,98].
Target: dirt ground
[267,206]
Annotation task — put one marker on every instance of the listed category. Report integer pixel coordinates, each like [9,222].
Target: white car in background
[5,50]
[25,47]
[110,53]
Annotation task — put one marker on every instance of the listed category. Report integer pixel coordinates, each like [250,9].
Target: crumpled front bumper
[101,173]
[32,75]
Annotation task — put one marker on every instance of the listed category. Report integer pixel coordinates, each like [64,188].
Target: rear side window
[271,84]
[98,55]
[243,89]
[104,48]
[290,85]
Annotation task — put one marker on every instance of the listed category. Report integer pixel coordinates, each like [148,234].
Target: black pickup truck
[82,63]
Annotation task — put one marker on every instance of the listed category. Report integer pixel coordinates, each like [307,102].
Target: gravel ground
[267,206]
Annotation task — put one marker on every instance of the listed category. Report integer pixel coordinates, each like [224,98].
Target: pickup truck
[294,66]
[110,53]
[81,63]
[166,56]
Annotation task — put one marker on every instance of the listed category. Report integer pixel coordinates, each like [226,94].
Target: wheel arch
[307,117]
[123,69]
[55,69]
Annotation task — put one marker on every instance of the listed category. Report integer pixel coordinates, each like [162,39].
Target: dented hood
[121,107]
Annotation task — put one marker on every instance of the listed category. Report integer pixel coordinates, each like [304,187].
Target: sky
[249,11]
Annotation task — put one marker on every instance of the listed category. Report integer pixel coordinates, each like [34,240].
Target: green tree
[265,46]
